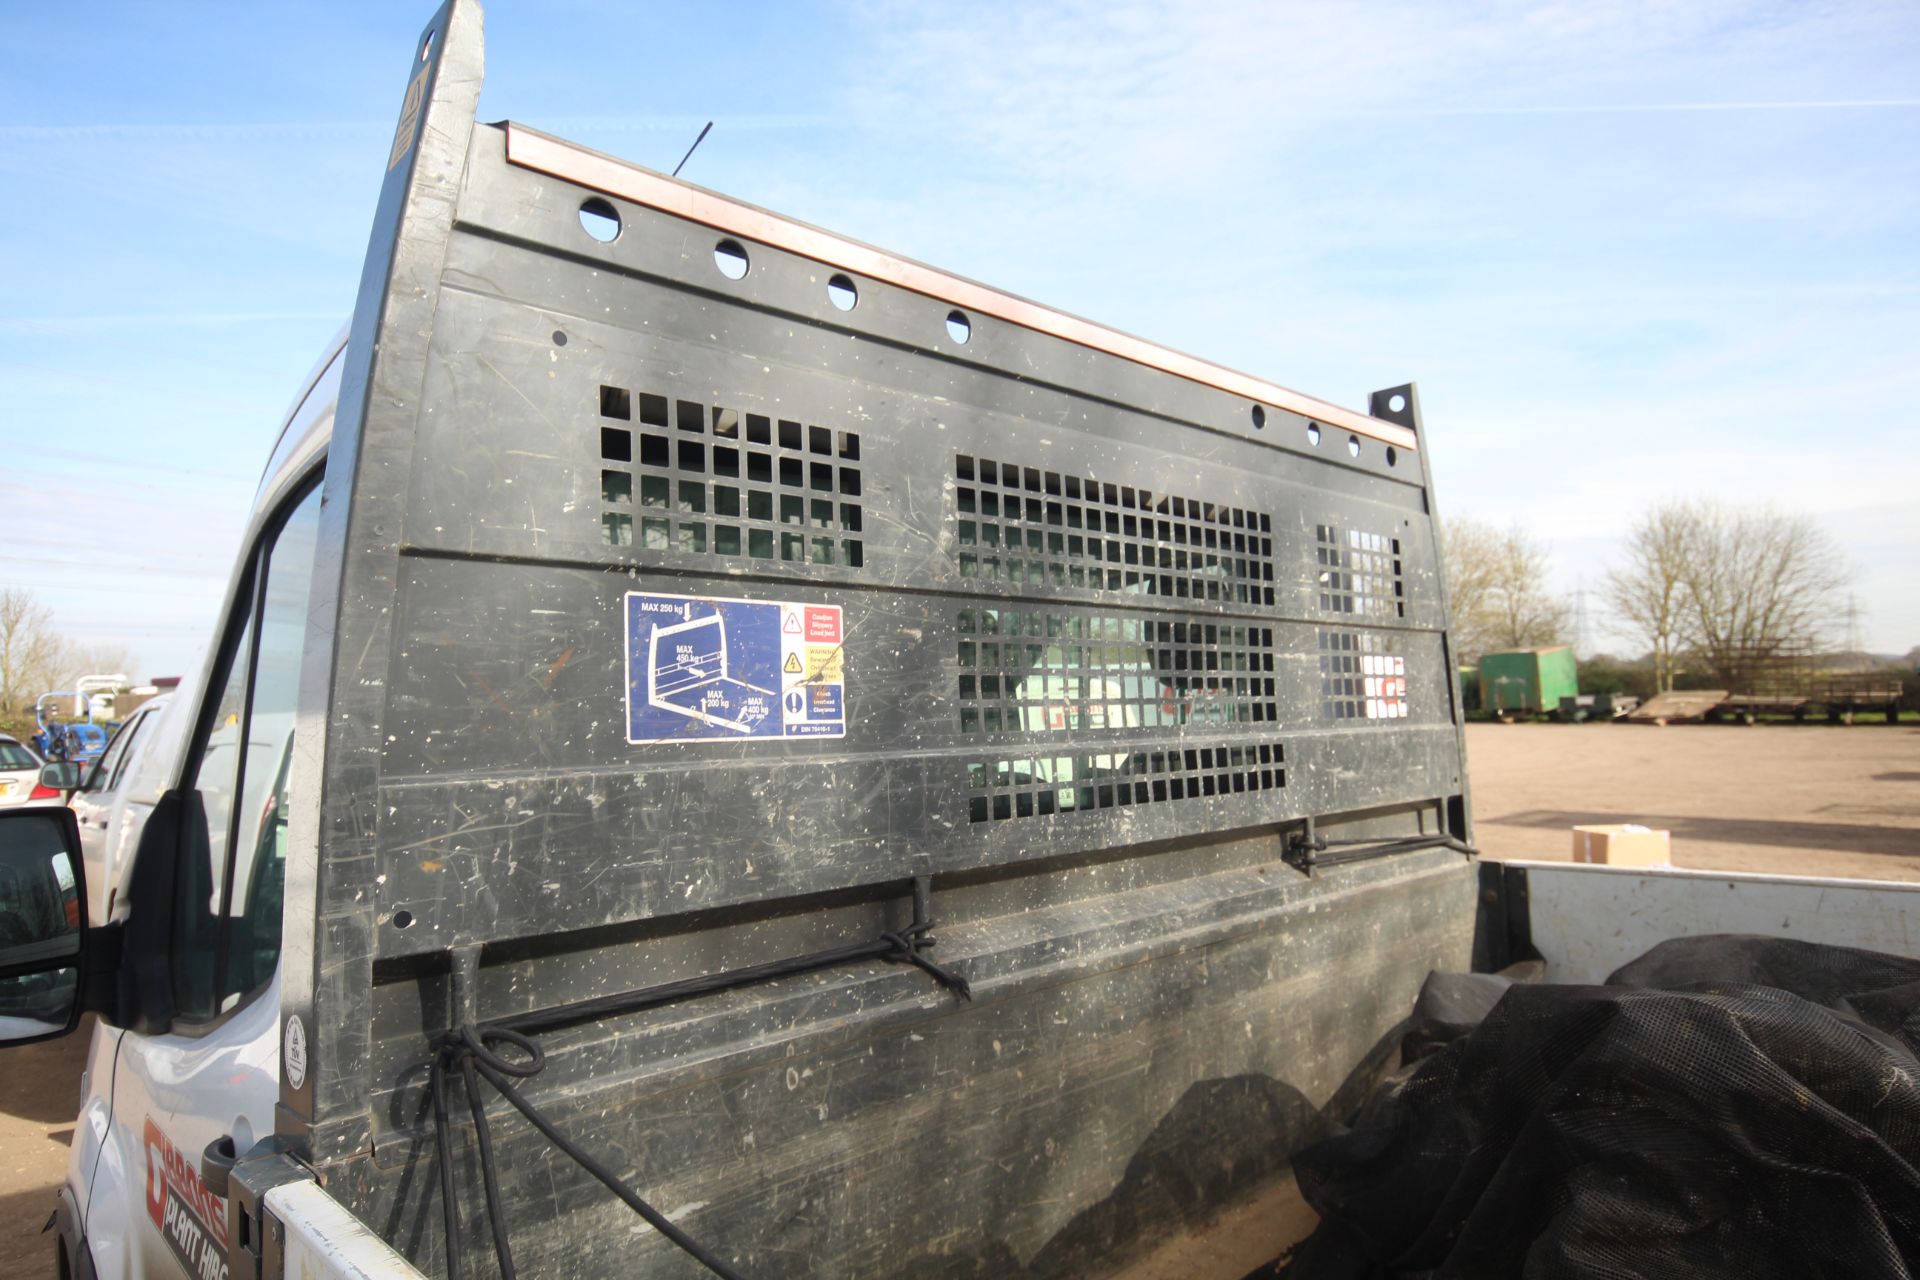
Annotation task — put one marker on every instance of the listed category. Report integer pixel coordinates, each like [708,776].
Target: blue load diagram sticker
[700,668]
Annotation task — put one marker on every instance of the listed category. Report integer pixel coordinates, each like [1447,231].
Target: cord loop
[473,1052]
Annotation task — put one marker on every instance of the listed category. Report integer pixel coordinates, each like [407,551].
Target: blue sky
[1629,251]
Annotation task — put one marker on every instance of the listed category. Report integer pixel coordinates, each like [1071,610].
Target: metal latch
[256,1240]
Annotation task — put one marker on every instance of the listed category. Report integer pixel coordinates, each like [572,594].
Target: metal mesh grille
[1047,672]
[1360,677]
[1025,526]
[1035,787]
[714,480]
[1359,572]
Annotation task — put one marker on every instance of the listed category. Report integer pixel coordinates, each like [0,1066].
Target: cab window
[233,848]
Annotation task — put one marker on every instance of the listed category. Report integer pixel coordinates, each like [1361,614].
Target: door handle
[216,1164]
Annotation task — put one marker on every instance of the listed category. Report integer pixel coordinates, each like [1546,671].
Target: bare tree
[1762,585]
[1527,616]
[87,658]
[1468,554]
[1649,594]
[1497,585]
[36,659]
[28,647]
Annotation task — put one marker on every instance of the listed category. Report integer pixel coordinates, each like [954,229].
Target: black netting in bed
[1725,1106]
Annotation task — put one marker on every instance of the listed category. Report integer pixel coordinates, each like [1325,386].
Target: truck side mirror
[43,924]
[62,775]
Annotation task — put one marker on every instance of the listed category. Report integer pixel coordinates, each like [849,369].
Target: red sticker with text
[191,1219]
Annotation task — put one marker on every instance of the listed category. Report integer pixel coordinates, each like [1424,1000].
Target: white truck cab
[136,1202]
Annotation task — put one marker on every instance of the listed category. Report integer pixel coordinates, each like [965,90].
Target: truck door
[215,1073]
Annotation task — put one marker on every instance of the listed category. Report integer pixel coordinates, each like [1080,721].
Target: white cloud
[1627,250]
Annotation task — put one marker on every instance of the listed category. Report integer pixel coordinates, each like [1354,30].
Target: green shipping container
[1467,686]
[1528,680]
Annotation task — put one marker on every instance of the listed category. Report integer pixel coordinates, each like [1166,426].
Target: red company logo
[191,1219]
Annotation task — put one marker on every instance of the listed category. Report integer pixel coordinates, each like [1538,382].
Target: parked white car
[116,797]
[19,773]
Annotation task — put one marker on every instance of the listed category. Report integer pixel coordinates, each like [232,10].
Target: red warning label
[823,626]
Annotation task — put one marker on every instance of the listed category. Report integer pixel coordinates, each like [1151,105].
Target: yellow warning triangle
[793,664]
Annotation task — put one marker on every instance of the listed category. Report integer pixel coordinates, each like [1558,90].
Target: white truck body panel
[95,1121]
[1588,921]
[325,1242]
[172,1095]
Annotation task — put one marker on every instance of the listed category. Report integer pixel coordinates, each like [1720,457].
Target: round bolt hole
[731,259]
[841,293]
[1313,434]
[959,328]
[402,919]
[1353,446]
[1397,403]
[559,338]
[1393,456]
[600,220]
[1259,417]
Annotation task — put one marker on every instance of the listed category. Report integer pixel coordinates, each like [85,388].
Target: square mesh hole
[616,402]
[1026,526]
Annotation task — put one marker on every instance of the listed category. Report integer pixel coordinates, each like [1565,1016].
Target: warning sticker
[824,664]
[700,667]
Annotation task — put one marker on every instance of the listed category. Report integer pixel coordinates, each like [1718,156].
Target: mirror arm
[142,992]
[101,968]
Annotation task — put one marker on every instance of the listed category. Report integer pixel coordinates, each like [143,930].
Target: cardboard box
[1625,844]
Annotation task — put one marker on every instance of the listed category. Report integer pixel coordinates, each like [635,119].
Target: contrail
[325,128]
[129,129]
[1856,104]
[197,319]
